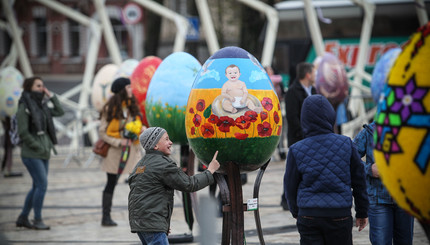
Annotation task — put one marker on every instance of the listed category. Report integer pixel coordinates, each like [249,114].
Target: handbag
[101,148]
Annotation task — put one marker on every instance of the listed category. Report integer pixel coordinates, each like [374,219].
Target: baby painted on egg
[235,93]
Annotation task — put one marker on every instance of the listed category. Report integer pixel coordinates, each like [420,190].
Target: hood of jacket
[317,116]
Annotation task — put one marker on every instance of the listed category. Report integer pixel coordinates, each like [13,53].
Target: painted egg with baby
[100,91]
[233,109]
[10,90]
[168,92]
[140,79]
[331,80]
[402,133]
[380,73]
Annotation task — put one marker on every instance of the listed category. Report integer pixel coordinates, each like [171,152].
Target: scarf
[40,115]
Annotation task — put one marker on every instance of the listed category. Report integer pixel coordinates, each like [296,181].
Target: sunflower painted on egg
[234,109]
[402,134]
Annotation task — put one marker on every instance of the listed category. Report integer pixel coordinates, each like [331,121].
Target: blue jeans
[389,224]
[38,169]
[325,230]
[153,238]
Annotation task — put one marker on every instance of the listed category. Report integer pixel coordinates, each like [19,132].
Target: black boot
[107,204]
[23,221]
[39,225]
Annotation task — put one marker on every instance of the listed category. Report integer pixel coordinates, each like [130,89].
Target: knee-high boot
[107,204]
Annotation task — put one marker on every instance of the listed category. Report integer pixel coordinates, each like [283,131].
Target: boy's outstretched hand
[214,164]
[361,223]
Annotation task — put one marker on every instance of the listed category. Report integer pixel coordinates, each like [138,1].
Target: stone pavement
[73,208]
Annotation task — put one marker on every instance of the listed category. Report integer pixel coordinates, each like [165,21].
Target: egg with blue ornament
[126,68]
[402,132]
[10,90]
[381,70]
[100,90]
[168,92]
[233,109]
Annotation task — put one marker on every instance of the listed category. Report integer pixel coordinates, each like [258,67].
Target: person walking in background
[119,110]
[37,133]
[388,223]
[152,182]
[320,173]
[301,88]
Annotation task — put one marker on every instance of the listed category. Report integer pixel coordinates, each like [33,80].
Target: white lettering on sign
[348,53]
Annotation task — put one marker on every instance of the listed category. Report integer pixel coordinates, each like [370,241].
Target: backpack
[13,132]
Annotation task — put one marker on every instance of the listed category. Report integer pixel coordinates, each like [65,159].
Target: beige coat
[110,163]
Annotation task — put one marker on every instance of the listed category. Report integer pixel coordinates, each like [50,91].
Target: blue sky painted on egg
[212,74]
[173,79]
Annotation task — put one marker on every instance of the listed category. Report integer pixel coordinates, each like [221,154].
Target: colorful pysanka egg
[402,133]
[380,73]
[100,91]
[233,108]
[331,80]
[168,92]
[126,68]
[140,79]
[10,90]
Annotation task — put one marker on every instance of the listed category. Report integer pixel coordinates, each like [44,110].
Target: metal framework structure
[102,26]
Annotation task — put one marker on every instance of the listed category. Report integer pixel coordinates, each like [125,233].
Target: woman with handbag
[119,110]
[37,136]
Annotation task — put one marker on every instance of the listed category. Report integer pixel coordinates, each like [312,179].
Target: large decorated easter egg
[380,72]
[100,91]
[126,68]
[10,91]
[402,133]
[233,108]
[140,79]
[168,92]
[331,80]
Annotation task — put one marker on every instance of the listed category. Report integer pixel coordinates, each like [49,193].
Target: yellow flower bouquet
[132,129]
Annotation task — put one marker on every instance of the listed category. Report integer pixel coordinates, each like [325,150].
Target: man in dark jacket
[301,88]
[321,171]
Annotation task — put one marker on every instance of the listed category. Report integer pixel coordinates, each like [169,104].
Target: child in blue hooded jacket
[388,223]
[322,176]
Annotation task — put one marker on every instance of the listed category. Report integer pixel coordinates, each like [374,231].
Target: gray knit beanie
[150,137]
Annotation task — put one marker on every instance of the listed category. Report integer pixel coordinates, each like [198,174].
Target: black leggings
[111,183]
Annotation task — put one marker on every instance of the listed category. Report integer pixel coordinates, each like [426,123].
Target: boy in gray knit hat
[152,182]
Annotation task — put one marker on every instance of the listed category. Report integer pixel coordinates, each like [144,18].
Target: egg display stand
[230,186]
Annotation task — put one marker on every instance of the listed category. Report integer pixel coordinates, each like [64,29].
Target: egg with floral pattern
[168,92]
[140,79]
[402,133]
[233,109]
[331,80]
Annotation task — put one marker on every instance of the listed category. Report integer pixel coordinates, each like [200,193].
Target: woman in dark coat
[37,134]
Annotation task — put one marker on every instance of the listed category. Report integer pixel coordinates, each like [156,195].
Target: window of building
[41,37]
[121,35]
[74,34]
[5,43]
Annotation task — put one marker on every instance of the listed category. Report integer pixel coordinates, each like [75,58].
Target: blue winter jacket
[376,191]
[324,167]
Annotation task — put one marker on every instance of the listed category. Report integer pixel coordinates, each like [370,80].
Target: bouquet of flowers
[132,129]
